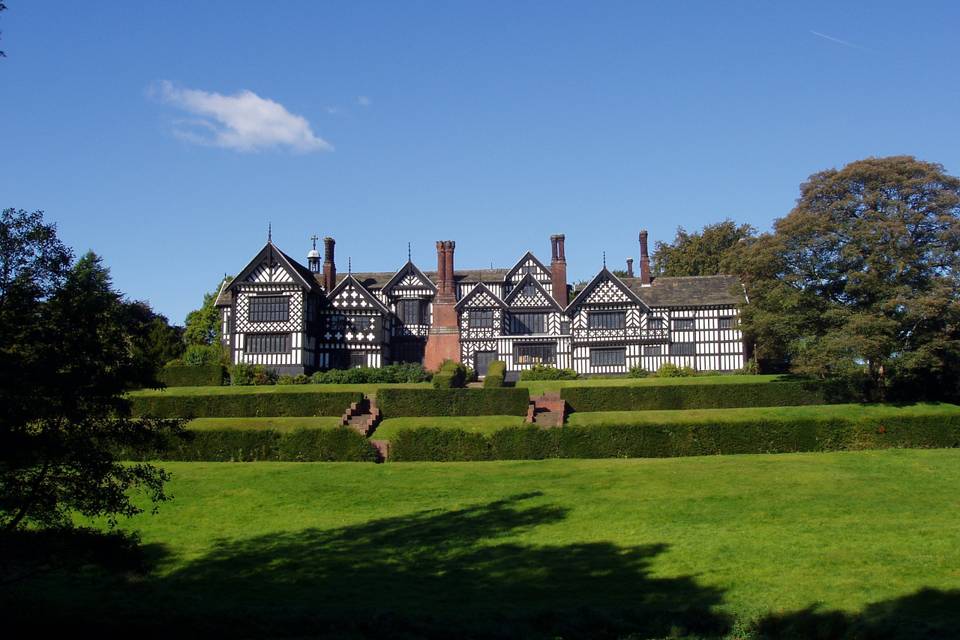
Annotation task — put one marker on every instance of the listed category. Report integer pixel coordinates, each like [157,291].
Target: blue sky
[165,136]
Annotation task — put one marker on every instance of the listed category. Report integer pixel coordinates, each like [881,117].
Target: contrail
[838,41]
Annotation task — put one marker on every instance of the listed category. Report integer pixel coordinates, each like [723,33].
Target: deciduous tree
[701,253]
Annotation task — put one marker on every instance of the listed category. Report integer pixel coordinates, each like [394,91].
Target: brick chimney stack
[329,266]
[558,269]
[443,341]
[644,260]
[629,267]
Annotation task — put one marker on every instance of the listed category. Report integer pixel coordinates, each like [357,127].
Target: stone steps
[547,410]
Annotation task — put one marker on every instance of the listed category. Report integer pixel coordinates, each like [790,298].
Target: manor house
[299,319]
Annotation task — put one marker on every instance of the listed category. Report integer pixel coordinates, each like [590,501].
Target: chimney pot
[329,264]
[558,269]
[629,267]
[644,259]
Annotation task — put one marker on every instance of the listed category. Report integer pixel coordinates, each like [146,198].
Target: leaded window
[607,319]
[655,322]
[409,311]
[652,350]
[683,349]
[725,322]
[526,323]
[269,309]
[481,319]
[537,353]
[683,324]
[608,357]
[268,343]
[529,290]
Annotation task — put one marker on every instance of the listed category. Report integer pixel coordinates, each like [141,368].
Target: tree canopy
[862,277]
[701,253]
[65,362]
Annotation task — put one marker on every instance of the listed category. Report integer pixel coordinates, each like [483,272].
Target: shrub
[452,375]
[496,373]
[214,405]
[703,396]
[544,372]
[693,439]
[250,445]
[402,372]
[300,378]
[396,403]
[211,375]
[199,355]
[637,372]
[244,374]
[670,370]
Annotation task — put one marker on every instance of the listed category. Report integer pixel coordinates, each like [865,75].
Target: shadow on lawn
[445,574]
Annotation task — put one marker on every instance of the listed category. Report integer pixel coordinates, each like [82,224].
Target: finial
[349,266]
[269,232]
[314,238]
[604,259]
[408,253]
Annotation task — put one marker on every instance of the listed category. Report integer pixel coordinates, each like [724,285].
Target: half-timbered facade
[298,319]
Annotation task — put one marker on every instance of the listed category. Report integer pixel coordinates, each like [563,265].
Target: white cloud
[243,121]
[363,101]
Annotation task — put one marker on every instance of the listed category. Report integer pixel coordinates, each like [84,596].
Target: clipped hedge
[661,441]
[246,405]
[252,445]
[496,373]
[208,375]
[398,403]
[452,375]
[701,396]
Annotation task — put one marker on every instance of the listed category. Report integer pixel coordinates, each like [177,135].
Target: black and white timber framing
[278,313]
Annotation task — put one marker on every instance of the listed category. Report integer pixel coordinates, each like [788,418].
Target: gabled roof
[528,278]
[516,267]
[600,278]
[270,252]
[477,290]
[406,269]
[378,279]
[369,297]
[689,291]
[224,295]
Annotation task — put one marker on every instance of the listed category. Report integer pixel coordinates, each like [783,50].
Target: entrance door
[482,360]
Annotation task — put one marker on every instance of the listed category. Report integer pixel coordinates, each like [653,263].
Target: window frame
[405,304]
[622,362]
[674,349]
[544,346]
[677,321]
[474,320]
[285,341]
[515,323]
[731,324]
[593,316]
[262,316]
[655,323]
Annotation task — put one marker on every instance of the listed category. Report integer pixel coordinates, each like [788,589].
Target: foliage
[702,396]
[250,445]
[245,374]
[703,253]
[670,370]
[174,375]
[66,358]
[452,402]
[202,355]
[861,280]
[451,375]
[496,373]
[248,405]
[637,372]
[202,325]
[152,339]
[393,373]
[545,372]
[678,439]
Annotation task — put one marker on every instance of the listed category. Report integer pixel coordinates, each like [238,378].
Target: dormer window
[410,311]
[480,318]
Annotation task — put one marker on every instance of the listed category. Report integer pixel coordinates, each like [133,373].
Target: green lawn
[279,424]
[827,411]
[559,548]
[484,424]
[537,387]
[368,389]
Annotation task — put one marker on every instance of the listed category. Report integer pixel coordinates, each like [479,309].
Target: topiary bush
[544,372]
[452,375]
[396,403]
[496,373]
[210,375]
[246,405]
[670,370]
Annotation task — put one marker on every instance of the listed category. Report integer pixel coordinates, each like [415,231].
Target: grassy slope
[280,424]
[537,387]
[486,424]
[742,535]
[852,411]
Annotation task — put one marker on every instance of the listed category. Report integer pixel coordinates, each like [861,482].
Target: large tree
[65,362]
[701,253]
[862,277]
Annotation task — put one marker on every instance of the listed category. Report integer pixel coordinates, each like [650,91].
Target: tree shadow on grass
[444,574]
[929,613]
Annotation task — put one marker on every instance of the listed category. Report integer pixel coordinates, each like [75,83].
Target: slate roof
[688,291]
[377,279]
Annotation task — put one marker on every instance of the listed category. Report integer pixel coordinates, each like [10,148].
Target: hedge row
[208,375]
[247,405]
[658,441]
[701,396]
[234,445]
[452,375]
[397,403]
[496,372]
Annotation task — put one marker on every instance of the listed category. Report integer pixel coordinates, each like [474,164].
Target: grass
[282,424]
[538,387]
[368,389]
[686,416]
[483,424]
[867,542]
